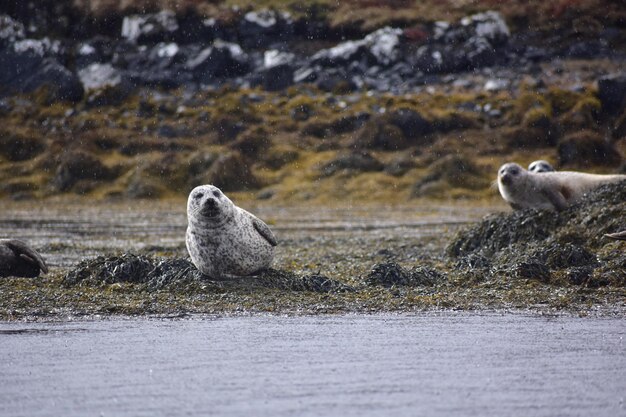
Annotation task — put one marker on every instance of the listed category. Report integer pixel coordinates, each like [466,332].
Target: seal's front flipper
[24,252]
[617,236]
[264,231]
[557,198]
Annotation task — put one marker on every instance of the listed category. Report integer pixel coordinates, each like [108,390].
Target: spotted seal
[547,190]
[540,166]
[17,259]
[223,240]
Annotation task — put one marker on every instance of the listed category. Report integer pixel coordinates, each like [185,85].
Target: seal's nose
[505,179]
[210,203]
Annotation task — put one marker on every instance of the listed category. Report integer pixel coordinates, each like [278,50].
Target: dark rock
[277,77]
[412,124]
[29,65]
[105,85]
[230,172]
[532,244]
[17,147]
[612,93]
[532,270]
[381,47]
[150,28]
[560,256]
[259,29]
[380,133]
[391,274]
[579,275]
[352,163]
[220,60]
[101,270]
[400,165]
[78,166]
[180,274]
[587,148]
[252,143]
[455,171]
[11,31]
[499,231]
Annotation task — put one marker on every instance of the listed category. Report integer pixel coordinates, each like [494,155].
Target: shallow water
[429,364]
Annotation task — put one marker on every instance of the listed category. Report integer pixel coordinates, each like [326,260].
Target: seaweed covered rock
[450,171]
[180,274]
[391,274]
[587,148]
[536,244]
[77,167]
[351,163]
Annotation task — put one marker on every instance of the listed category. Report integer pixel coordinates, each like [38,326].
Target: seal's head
[509,173]
[208,203]
[540,166]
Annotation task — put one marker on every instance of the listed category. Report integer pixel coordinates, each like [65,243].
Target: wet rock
[612,93]
[17,147]
[30,65]
[103,270]
[259,29]
[499,231]
[391,274]
[181,275]
[220,60]
[532,270]
[352,163]
[230,172]
[105,85]
[400,165]
[252,143]
[78,166]
[535,244]
[452,170]
[579,275]
[412,124]
[150,28]
[11,31]
[380,133]
[587,148]
[381,47]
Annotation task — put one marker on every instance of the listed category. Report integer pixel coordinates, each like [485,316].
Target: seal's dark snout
[505,179]
[209,207]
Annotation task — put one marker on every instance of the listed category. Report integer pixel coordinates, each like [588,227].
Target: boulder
[219,60]
[587,148]
[150,28]
[612,92]
[381,47]
[351,163]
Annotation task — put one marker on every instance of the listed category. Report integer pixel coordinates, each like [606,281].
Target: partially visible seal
[223,240]
[547,190]
[617,236]
[17,259]
[540,166]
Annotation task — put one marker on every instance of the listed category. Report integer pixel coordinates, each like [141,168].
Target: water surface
[443,364]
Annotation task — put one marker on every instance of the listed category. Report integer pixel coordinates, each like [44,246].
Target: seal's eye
[217,194]
[198,196]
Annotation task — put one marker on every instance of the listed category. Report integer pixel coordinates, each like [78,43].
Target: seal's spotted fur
[224,240]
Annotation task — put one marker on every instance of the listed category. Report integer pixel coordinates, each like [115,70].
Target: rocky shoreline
[538,261]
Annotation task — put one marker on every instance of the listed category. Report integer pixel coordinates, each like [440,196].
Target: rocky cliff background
[304,101]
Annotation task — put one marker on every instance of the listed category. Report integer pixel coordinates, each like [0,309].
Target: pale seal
[540,166]
[17,259]
[617,236]
[547,190]
[223,240]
